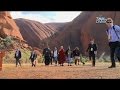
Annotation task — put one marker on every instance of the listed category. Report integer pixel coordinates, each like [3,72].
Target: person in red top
[61,56]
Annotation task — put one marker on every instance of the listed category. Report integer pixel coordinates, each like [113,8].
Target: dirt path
[101,71]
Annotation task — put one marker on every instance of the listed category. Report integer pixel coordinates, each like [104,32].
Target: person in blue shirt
[113,33]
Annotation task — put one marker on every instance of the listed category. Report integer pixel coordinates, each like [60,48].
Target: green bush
[40,59]
[84,58]
[9,57]
[6,42]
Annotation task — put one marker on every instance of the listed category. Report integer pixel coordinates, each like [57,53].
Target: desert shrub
[6,42]
[106,58]
[84,58]
[9,57]
[40,59]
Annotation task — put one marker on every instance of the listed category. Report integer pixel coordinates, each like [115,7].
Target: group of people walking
[32,57]
[61,56]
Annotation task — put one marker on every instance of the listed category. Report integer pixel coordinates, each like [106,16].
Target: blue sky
[46,16]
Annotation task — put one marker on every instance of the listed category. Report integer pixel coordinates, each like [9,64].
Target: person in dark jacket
[33,57]
[76,54]
[47,55]
[17,57]
[92,50]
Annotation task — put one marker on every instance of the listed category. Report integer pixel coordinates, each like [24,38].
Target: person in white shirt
[55,55]
[33,57]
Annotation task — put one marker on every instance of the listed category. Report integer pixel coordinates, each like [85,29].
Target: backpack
[116,32]
[117,50]
[47,52]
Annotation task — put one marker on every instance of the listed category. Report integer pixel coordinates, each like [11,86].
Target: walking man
[17,57]
[113,33]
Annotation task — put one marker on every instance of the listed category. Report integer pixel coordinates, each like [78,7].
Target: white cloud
[58,16]
[65,16]
[30,16]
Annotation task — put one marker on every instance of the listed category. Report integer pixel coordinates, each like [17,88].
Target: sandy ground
[101,71]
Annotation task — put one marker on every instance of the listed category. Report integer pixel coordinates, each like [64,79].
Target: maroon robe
[61,56]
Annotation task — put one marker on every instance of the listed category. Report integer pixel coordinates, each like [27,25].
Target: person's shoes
[111,67]
[70,65]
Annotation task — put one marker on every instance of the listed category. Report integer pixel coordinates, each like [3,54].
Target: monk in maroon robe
[61,56]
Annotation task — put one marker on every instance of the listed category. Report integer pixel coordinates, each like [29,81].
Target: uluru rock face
[70,34]
[82,29]
[56,26]
[34,32]
[8,26]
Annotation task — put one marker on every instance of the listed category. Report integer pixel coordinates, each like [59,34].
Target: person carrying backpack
[113,33]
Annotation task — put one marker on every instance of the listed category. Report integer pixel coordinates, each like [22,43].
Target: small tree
[6,42]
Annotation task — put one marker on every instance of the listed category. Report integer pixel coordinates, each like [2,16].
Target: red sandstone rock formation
[8,26]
